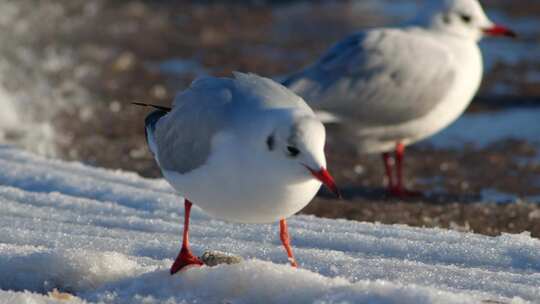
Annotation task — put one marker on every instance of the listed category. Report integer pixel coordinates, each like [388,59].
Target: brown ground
[127,36]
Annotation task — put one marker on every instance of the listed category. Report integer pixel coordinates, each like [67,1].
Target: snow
[109,236]
[38,77]
[8,115]
[483,129]
[495,196]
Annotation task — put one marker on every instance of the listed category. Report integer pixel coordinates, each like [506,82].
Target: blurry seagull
[245,149]
[395,86]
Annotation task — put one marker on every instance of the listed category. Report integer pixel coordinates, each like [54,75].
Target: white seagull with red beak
[245,149]
[392,87]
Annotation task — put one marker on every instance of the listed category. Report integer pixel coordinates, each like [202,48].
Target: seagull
[392,87]
[244,149]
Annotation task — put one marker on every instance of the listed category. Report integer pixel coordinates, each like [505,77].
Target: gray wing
[183,137]
[379,77]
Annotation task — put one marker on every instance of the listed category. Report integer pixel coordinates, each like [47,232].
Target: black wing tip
[292,79]
[288,81]
[152,118]
[162,108]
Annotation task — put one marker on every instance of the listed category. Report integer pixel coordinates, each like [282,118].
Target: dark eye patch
[270,142]
[465,18]
[293,151]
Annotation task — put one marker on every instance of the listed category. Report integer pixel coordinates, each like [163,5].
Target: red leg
[185,257]
[284,235]
[387,159]
[399,189]
[400,153]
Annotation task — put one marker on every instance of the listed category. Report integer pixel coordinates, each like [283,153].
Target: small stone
[534,215]
[138,153]
[159,91]
[60,296]
[444,167]
[115,106]
[86,113]
[124,62]
[359,169]
[213,258]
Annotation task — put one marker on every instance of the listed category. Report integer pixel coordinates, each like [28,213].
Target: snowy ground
[109,236]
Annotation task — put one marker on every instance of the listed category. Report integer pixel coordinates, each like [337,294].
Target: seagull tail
[150,123]
[150,126]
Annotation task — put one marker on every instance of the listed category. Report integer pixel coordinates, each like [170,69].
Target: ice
[483,129]
[495,196]
[72,234]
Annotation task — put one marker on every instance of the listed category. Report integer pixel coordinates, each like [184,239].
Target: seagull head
[464,18]
[298,144]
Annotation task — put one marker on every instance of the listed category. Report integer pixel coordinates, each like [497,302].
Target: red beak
[326,179]
[498,30]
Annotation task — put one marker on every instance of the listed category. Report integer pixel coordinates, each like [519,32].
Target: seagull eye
[466,18]
[293,151]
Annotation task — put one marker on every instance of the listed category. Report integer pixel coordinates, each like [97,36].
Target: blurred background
[69,70]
